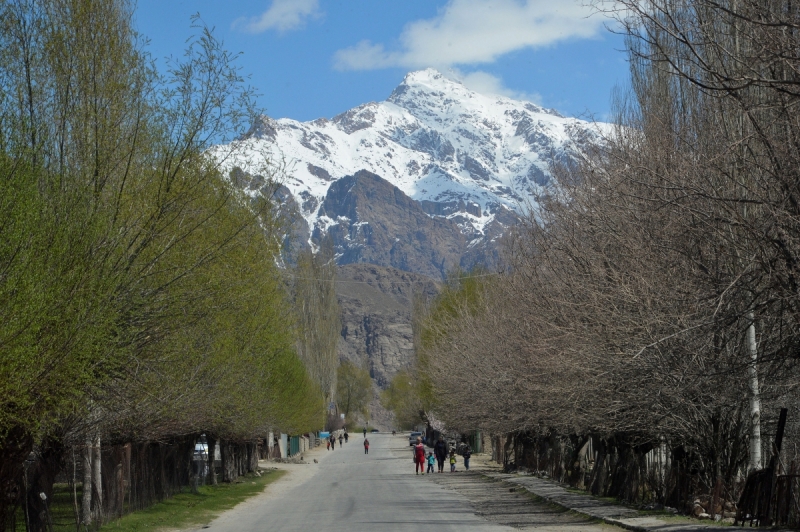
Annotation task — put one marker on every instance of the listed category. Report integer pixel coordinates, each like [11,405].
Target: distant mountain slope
[376,305]
[376,223]
[468,160]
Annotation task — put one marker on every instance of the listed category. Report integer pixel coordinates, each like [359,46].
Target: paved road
[352,491]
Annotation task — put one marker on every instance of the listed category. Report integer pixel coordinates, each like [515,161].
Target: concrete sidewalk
[613,514]
[585,504]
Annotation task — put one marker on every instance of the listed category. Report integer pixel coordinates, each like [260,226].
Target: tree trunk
[14,448]
[211,451]
[755,397]
[228,462]
[97,481]
[598,481]
[253,465]
[579,464]
[507,450]
[42,474]
[86,502]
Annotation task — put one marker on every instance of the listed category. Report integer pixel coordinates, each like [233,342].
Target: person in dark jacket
[467,454]
[440,452]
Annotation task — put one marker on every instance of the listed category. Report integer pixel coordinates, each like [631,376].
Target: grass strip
[187,508]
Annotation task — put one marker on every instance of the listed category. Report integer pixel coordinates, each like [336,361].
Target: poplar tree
[318,317]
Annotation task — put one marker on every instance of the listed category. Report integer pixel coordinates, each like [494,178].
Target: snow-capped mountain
[461,156]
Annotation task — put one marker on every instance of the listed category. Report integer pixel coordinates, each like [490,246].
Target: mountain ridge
[462,156]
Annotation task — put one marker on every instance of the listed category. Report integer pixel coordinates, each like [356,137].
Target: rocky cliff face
[376,305]
[375,222]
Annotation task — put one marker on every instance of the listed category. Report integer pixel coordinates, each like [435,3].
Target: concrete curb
[561,503]
[593,508]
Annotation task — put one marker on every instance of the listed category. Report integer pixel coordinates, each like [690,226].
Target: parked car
[200,451]
[374,430]
[412,439]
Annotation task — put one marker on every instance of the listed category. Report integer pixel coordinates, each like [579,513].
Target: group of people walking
[441,452]
[343,437]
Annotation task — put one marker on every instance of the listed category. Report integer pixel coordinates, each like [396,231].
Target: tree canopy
[353,388]
[139,291]
[651,299]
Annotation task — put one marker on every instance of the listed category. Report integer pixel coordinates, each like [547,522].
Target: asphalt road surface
[348,490]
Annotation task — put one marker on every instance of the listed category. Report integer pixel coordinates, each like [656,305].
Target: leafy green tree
[402,397]
[353,388]
[139,292]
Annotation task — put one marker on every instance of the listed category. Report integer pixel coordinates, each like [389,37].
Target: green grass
[180,511]
[186,509]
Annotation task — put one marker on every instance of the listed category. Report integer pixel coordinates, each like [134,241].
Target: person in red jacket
[419,457]
[366,445]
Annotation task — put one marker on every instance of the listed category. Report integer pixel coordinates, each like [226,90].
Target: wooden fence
[130,477]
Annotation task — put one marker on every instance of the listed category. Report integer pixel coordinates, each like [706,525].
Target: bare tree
[651,300]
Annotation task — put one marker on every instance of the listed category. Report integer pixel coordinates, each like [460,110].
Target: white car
[200,451]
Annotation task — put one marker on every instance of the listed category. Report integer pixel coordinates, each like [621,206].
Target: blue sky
[317,58]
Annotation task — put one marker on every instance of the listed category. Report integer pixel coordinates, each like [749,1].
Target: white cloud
[485,83]
[365,56]
[282,15]
[467,32]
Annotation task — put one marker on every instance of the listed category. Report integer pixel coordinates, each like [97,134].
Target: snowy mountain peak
[463,156]
[430,78]
[429,94]
[262,127]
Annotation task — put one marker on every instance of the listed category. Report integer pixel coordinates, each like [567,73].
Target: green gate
[474,440]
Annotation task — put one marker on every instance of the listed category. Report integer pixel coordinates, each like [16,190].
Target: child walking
[452,461]
[431,461]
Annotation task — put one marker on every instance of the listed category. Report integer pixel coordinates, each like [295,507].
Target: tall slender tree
[318,318]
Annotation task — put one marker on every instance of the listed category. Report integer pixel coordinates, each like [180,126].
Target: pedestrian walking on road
[440,451]
[419,457]
[333,442]
[452,460]
[365,432]
[431,461]
[346,436]
[366,445]
[328,443]
[467,454]
[341,439]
